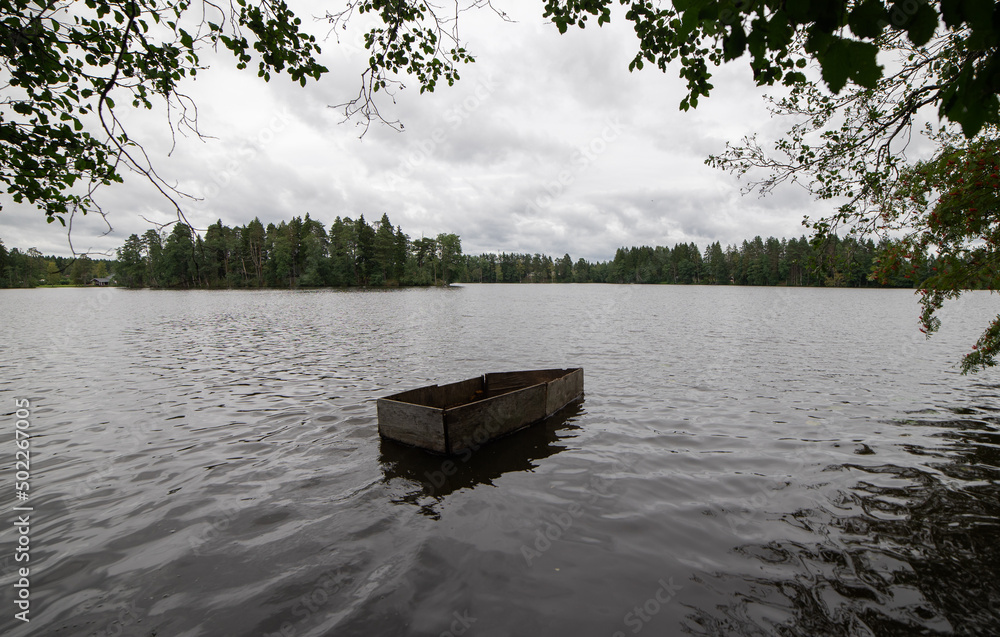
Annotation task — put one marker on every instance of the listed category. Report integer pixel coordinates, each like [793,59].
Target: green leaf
[798,11]
[836,64]
[850,59]
[868,19]
[864,61]
[979,14]
[827,15]
[735,42]
[794,78]
[921,25]
[951,12]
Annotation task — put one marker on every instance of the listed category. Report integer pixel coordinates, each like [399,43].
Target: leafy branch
[66,64]
[415,37]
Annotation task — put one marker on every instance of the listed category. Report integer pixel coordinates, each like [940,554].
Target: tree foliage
[29,268]
[950,206]
[844,262]
[69,69]
[297,253]
[853,149]
[780,37]
[415,38]
[843,36]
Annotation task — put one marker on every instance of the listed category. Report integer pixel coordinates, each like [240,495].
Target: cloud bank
[547,144]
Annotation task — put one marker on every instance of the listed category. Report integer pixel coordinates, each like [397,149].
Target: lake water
[747,461]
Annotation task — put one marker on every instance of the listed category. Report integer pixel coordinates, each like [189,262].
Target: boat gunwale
[518,400]
[487,395]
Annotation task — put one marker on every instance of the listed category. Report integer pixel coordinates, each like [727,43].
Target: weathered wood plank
[469,426]
[564,390]
[419,396]
[460,393]
[416,425]
[502,382]
[443,396]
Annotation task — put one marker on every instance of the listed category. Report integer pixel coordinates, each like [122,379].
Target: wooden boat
[456,417]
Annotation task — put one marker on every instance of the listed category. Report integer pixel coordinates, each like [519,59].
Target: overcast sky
[547,144]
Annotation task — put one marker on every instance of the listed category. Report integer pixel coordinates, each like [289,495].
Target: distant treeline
[31,268]
[299,253]
[834,262]
[303,253]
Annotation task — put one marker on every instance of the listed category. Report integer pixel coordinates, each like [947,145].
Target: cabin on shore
[101,281]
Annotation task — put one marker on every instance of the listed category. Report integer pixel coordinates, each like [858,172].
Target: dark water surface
[746,462]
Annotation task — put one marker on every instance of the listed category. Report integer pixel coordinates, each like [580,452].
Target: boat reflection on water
[908,550]
[428,478]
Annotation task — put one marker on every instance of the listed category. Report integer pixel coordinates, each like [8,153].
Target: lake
[747,461]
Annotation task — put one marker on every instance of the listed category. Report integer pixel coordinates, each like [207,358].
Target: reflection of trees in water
[905,551]
[428,478]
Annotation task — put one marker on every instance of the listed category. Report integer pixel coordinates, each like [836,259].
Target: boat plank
[499,382]
[469,426]
[416,425]
[564,390]
[443,396]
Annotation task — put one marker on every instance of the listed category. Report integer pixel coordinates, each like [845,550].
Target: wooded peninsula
[303,253]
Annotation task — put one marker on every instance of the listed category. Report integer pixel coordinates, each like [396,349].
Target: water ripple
[746,462]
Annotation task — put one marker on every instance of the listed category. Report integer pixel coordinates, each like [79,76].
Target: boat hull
[456,417]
